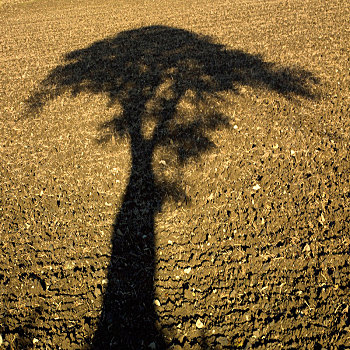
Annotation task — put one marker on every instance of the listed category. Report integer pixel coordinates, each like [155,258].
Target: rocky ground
[174,175]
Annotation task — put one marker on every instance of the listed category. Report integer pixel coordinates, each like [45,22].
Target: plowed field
[174,174]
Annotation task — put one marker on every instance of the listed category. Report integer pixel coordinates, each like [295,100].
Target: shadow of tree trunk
[128,317]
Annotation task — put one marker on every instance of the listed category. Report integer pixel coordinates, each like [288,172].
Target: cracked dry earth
[174,175]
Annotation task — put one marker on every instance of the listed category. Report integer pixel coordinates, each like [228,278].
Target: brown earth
[174,174]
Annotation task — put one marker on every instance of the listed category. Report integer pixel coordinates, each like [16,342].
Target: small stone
[119,233]
[156,302]
[152,345]
[69,265]
[307,248]
[188,270]
[97,292]
[247,317]
[292,152]
[199,324]
[170,242]
[322,219]
[239,342]
[256,334]
[35,341]
[256,187]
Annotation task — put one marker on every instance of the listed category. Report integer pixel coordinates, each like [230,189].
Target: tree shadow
[147,72]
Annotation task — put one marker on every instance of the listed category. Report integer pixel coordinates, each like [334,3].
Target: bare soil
[174,174]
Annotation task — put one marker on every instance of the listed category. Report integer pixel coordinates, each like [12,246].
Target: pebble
[188,270]
[306,248]
[152,345]
[69,265]
[199,324]
[256,333]
[256,187]
[247,316]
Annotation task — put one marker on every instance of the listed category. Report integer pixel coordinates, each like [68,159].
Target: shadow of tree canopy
[147,71]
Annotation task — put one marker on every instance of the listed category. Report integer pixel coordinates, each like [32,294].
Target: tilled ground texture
[174,174]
